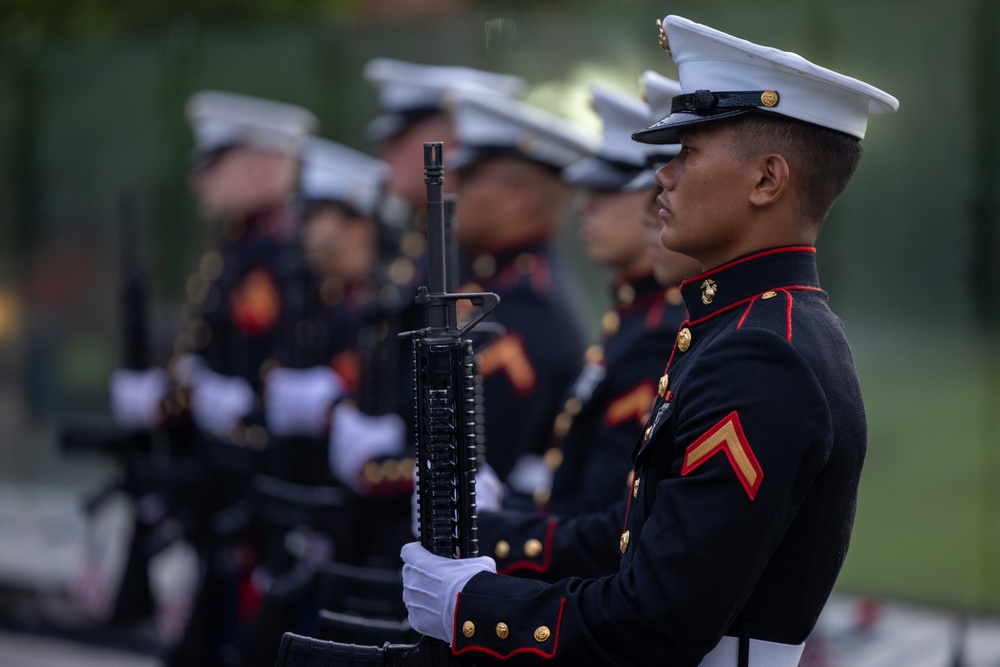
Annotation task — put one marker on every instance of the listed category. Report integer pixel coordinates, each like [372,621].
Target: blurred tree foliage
[110,17]
[102,18]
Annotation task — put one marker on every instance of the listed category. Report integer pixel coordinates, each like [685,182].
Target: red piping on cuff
[526,649]
[531,565]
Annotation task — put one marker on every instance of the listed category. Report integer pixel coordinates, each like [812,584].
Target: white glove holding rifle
[297,402]
[218,402]
[136,396]
[431,585]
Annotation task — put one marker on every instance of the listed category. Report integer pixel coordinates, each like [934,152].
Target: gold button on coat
[502,549]
[502,630]
[664,383]
[542,633]
[468,628]
[623,542]
[610,322]
[562,424]
[635,488]
[532,548]
[684,339]
[626,294]
[594,354]
[553,458]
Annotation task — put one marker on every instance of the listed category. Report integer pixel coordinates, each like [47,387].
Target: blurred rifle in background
[154,480]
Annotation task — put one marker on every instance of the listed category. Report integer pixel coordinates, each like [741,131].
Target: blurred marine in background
[512,204]
[244,174]
[605,410]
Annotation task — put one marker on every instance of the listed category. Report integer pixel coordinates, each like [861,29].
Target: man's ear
[772,179]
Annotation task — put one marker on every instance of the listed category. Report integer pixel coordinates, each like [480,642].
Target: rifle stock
[299,651]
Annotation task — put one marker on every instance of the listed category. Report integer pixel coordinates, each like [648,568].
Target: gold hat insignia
[664,43]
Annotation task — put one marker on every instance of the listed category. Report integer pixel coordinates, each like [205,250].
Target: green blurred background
[91,98]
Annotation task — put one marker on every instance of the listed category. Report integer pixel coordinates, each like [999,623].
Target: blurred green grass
[929,508]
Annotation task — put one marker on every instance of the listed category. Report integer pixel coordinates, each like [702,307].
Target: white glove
[431,585]
[297,402]
[489,490]
[357,438]
[183,367]
[530,474]
[136,396]
[219,401]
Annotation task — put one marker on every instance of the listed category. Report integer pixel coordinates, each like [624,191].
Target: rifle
[140,474]
[135,292]
[135,354]
[448,425]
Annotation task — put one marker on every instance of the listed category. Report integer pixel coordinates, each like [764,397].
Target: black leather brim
[667,130]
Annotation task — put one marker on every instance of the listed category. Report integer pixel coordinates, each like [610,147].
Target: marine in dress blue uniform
[606,408]
[371,440]
[237,296]
[608,403]
[246,161]
[412,110]
[330,286]
[746,475]
[511,204]
[317,360]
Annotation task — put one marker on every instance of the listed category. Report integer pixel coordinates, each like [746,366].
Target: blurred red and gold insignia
[634,404]
[347,365]
[254,303]
[508,355]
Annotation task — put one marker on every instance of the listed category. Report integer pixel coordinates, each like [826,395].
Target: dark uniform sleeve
[525,371]
[549,548]
[701,533]
[604,472]
[595,465]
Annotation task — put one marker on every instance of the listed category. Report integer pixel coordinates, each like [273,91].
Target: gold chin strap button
[542,634]
[468,628]
[684,339]
[502,630]
[623,542]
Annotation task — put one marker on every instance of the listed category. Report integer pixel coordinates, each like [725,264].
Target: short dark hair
[824,159]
